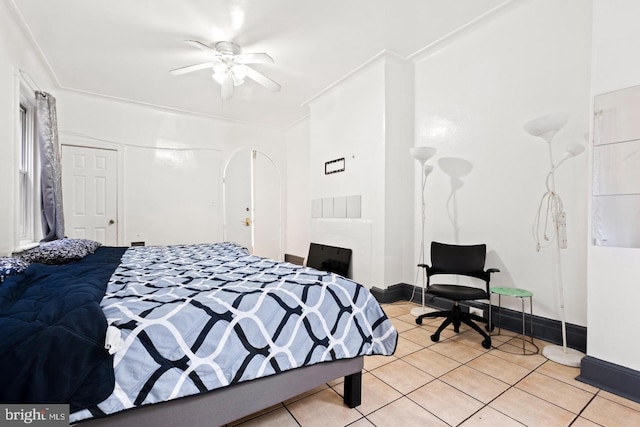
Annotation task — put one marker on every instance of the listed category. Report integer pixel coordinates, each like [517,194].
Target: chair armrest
[493,270]
[427,268]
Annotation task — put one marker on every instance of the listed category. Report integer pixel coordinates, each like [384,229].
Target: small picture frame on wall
[334,166]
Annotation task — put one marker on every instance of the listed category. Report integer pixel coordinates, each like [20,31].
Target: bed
[185,334]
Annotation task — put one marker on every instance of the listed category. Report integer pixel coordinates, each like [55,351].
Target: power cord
[555,214]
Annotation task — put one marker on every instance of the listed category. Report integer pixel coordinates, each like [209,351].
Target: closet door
[89,193]
[238,210]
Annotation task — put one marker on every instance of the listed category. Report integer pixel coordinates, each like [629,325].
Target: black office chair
[463,261]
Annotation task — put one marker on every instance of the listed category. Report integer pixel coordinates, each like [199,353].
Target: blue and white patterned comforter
[195,318]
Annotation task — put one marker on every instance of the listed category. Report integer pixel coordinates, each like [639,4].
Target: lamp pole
[422,154]
[563,355]
[546,127]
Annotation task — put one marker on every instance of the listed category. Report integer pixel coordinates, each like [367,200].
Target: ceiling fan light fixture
[220,71]
[229,49]
[228,66]
[219,77]
[238,72]
[220,68]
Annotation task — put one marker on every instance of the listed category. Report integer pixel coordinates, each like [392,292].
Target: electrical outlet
[476,311]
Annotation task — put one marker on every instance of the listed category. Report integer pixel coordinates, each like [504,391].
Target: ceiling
[125,48]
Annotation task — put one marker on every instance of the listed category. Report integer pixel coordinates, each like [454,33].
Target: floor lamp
[546,127]
[422,154]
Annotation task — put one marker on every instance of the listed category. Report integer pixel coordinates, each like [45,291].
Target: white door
[253,208]
[238,214]
[89,193]
[266,207]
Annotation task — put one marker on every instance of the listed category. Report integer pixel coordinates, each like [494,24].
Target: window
[28,207]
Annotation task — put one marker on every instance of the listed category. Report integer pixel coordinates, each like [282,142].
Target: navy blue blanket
[52,333]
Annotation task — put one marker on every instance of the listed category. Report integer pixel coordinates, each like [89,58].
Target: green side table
[516,293]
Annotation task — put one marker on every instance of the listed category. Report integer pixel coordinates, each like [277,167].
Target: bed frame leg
[353,390]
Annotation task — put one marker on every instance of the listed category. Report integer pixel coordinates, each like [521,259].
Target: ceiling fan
[230,67]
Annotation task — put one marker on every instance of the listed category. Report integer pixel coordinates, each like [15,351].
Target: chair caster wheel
[419,320]
[487,343]
[435,337]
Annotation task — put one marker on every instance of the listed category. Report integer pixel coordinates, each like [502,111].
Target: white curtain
[50,173]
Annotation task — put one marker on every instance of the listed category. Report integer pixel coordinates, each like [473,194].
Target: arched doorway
[253,203]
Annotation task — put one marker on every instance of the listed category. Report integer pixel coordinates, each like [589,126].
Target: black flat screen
[329,258]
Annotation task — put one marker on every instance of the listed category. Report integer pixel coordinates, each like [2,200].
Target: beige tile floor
[455,382]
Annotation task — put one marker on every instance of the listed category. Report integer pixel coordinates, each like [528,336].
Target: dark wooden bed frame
[229,404]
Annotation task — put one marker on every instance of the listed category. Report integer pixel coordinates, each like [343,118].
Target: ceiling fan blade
[201,45]
[254,58]
[262,79]
[190,68]
[226,90]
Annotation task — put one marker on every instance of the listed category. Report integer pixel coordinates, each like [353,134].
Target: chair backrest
[466,260]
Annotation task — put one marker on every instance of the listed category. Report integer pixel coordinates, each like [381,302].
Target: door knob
[111,222]
[247,222]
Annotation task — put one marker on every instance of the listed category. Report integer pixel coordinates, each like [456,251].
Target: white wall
[145,136]
[399,168]
[473,93]
[16,54]
[614,273]
[368,120]
[348,121]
